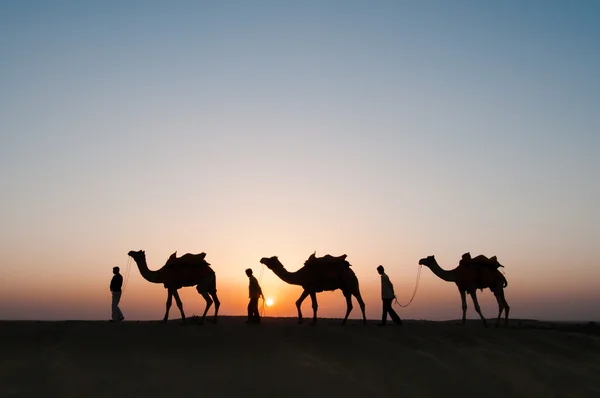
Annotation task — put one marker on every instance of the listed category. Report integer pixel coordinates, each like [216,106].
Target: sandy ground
[282,359]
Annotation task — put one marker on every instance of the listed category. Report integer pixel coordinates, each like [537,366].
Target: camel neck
[449,276]
[150,276]
[287,276]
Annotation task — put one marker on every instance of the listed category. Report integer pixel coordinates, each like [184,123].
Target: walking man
[255,293]
[387,295]
[115,288]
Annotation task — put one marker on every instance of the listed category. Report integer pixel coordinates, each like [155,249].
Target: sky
[387,131]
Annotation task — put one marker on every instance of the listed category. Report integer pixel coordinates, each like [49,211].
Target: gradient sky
[387,130]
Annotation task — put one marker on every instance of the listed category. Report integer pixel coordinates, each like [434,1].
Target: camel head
[272,263]
[427,261]
[140,255]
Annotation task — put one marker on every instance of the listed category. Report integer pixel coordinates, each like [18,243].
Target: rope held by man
[126,274]
[414,291]
[262,307]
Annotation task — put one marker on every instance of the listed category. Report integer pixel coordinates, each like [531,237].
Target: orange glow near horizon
[50,286]
[435,300]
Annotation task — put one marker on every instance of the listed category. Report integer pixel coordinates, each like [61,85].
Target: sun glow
[269,302]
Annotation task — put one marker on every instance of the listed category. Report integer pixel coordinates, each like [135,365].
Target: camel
[317,275]
[468,279]
[187,270]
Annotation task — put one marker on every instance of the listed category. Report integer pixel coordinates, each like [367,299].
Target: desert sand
[280,358]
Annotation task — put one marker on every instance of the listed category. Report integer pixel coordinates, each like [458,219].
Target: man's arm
[390,285]
[259,289]
[255,287]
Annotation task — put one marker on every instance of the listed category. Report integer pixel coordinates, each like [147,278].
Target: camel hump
[326,258]
[187,260]
[327,261]
[194,257]
[329,257]
[483,261]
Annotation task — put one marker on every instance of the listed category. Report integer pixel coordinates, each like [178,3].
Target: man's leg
[249,312]
[121,316]
[117,315]
[393,314]
[255,313]
[384,313]
[119,312]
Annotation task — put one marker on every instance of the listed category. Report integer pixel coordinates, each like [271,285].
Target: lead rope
[126,275]
[262,306]
[414,292]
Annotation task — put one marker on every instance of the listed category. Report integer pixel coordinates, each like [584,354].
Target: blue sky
[387,130]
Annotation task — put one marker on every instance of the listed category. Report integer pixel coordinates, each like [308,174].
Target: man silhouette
[115,288]
[387,295]
[255,293]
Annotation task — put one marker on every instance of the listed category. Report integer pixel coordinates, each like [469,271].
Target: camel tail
[505,283]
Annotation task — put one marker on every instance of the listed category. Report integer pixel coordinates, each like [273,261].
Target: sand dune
[282,359]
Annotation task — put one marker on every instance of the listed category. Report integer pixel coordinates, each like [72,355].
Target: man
[115,288]
[387,295]
[255,294]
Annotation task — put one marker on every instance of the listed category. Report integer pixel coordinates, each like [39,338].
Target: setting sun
[269,302]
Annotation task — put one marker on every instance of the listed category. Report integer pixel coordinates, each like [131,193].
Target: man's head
[115,270]
[249,272]
[380,269]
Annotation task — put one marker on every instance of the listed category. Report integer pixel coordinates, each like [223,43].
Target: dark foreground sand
[282,359]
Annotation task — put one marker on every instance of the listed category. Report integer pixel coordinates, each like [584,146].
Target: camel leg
[473,294]
[217,304]
[361,304]
[498,294]
[209,302]
[506,310]
[169,301]
[313,299]
[348,306]
[463,298]
[500,297]
[303,296]
[179,304]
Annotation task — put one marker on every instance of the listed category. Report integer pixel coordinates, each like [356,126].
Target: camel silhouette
[472,274]
[326,273]
[187,270]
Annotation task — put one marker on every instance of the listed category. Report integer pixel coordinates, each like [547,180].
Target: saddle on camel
[480,265]
[187,260]
[331,268]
